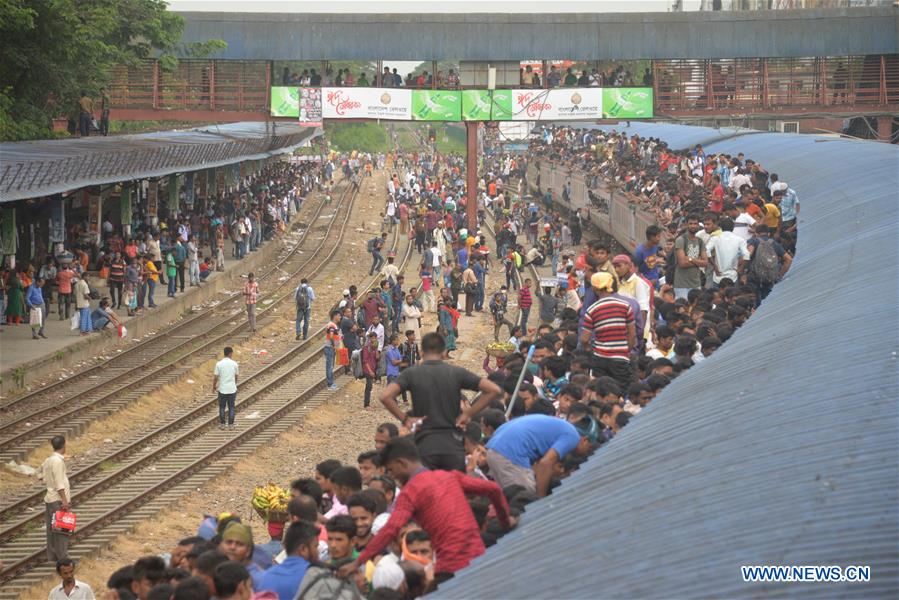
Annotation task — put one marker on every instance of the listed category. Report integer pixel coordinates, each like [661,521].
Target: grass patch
[451,139]
[365,137]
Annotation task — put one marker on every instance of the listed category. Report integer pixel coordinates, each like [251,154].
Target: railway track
[67,407]
[176,457]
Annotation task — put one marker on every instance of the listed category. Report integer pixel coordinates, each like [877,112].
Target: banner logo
[342,103]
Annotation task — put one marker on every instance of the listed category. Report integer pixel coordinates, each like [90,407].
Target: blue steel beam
[591,36]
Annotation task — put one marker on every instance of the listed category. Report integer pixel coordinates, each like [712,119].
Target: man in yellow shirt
[57,497]
[86,114]
[152,280]
[772,217]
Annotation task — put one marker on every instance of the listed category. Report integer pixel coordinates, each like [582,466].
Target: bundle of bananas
[501,349]
[271,502]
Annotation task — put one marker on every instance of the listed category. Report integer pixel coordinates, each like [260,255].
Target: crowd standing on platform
[468,452]
[120,270]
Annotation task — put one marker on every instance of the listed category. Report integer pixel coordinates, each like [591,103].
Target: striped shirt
[525,299]
[607,320]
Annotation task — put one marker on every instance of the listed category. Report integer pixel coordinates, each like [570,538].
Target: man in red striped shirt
[436,501]
[525,300]
[609,326]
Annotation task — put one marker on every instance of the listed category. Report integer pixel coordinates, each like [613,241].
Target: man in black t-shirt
[437,417]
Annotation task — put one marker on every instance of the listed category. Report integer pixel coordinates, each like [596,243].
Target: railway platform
[24,360]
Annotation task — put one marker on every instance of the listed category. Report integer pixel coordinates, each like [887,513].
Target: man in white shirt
[390,271]
[53,472]
[436,252]
[728,253]
[378,329]
[70,588]
[224,382]
[737,181]
[743,221]
[391,213]
[775,184]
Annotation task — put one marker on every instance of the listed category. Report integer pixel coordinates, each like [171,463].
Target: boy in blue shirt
[301,546]
[394,358]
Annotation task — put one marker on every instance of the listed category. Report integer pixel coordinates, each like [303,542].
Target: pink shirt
[251,292]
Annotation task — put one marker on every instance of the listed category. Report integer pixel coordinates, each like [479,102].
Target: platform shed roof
[45,167]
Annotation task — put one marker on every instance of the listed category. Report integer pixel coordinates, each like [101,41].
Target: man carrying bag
[56,499]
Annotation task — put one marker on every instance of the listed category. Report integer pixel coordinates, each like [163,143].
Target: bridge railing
[681,86]
[774,83]
[218,85]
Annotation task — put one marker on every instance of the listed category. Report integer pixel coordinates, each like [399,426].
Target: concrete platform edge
[14,379]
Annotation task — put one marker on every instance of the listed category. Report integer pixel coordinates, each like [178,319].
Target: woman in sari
[447,329]
[15,306]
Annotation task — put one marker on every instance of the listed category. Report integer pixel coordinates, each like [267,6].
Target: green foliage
[365,137]
[53,49]
[451,139]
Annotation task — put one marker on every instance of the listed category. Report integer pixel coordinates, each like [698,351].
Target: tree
[53,49]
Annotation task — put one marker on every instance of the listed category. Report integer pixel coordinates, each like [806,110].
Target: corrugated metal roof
[579,36]
[780,449]
[41,168]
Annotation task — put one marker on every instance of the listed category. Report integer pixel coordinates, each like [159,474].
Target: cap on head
[239,532]
[602,281]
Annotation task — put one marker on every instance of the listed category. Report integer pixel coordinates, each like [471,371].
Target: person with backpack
[769,262]
[691,259]
[304,297]
[375,245]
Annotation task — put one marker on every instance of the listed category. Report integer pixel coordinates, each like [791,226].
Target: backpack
[765,264]
[373,244]
[322,584]
[302,297]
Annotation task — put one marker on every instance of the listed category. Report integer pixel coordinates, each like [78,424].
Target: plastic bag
[123,331]
[63,522]
[75,321]
[343,357]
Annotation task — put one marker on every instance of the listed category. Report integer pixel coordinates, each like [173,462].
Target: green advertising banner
[173,199]
[125,204]
[474,105]
[436,105]
[627,103]
[285,102]
[8,231]
[487,105]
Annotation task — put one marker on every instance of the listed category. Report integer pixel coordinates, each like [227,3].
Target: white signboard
[566,103]
[366,103]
